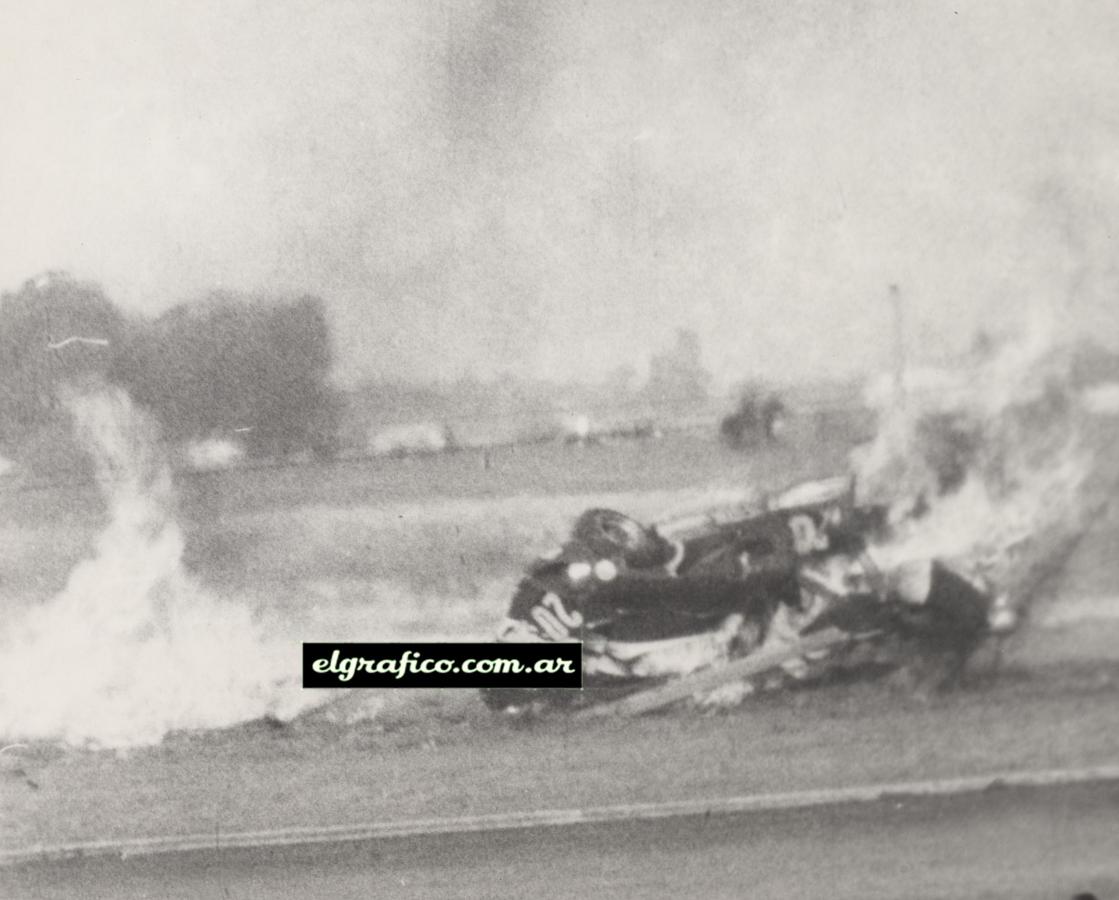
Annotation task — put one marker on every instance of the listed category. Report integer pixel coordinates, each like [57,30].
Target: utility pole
[899,345]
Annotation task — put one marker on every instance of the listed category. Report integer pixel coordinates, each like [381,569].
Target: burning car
[656,602]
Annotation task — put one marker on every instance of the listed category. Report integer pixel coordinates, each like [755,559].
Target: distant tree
[239,364]
[298,408]
[54,329]
[678,375]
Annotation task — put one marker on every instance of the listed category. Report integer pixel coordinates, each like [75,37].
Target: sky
[552,189]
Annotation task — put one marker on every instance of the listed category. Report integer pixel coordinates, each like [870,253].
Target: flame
[984,473]
[133,647]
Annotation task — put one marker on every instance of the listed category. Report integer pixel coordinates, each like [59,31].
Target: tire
[611,534]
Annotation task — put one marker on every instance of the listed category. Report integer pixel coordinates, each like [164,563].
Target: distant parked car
[412,440]
[576,428]
[211,454]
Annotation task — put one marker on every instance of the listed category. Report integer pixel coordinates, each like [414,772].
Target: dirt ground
[441,754]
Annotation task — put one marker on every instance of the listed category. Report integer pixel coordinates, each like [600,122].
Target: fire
[133,647]
[984,475]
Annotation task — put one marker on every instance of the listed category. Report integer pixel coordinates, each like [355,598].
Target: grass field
[380,550]
[425,548]
[442,523]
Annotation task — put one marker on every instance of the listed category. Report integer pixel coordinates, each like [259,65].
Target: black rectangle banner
[528,665]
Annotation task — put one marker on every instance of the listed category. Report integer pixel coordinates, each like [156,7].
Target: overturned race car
[740,599]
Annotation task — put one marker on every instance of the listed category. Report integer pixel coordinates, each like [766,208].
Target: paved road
[1021,844]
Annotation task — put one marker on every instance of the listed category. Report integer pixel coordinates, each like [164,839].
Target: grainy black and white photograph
[507,448]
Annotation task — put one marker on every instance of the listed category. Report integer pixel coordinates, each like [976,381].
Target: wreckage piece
[715,676]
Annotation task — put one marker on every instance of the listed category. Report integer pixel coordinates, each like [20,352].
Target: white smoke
[133,648]
[989,474]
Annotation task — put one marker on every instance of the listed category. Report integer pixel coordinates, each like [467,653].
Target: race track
[1021,843]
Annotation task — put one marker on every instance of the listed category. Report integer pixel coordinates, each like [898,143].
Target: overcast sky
[553,188]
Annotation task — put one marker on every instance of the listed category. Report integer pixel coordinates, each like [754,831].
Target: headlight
[605,570]
[578,571]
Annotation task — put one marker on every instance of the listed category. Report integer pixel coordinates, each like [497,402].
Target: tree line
[253,366]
